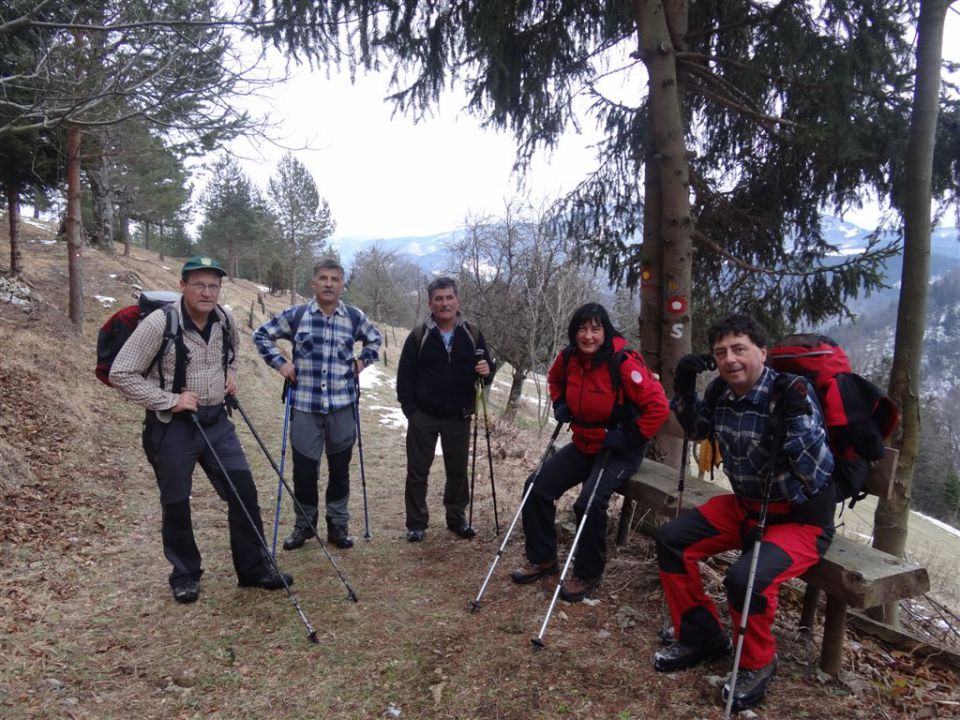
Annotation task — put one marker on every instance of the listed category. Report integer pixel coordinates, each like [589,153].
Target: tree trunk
[125,232]
[101,191]
[892,516]
[74,228]
[161,243]
[670,152]
[516,392]
[293,278]
[146,234]
[13,220]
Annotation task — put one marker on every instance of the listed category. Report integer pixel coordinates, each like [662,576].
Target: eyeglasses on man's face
[212,288]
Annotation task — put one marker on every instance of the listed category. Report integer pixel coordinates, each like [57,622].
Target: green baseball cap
[201,262]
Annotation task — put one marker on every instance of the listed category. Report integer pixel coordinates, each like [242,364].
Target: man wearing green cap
[197,369]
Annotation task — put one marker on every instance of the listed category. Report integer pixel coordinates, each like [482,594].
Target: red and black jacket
[585,384]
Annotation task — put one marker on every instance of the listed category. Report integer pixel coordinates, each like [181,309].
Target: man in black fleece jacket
[436,386]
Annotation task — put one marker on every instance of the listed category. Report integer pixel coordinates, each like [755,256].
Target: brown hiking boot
[531,572]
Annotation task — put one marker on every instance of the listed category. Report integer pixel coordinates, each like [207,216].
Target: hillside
[88,628]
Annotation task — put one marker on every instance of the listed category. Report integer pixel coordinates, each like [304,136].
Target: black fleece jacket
[439,383]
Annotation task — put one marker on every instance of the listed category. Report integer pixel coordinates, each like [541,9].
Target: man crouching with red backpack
[770,432]
[200,361]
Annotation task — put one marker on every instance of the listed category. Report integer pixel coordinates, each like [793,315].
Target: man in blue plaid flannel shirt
[323,394]
[749,408]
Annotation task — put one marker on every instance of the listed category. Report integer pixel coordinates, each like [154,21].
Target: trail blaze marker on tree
[677,305]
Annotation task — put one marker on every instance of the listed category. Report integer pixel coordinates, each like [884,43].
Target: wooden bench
[852,575]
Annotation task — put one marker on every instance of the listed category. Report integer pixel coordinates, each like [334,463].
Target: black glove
[795,402]
[562,412]
[615,438]
[688,367]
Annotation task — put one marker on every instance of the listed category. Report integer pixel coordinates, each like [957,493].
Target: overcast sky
[385,176]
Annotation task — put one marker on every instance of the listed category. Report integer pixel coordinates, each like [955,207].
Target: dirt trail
[88,628]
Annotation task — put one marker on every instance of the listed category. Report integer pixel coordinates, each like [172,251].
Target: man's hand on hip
[289,372]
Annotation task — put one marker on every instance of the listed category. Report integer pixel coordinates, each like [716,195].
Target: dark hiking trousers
[725,522]
[569,467]
[173,450]
[422,433]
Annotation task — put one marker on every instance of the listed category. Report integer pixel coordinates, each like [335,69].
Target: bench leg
[626,519]
[834,629]
[808,615]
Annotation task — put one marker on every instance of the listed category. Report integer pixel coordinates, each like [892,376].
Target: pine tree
[303,217]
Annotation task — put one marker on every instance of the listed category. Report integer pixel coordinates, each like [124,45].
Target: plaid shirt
[322,354]
[804,463]
[204,370]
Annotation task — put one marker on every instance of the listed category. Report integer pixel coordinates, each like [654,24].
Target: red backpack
[859,417]
[120,326]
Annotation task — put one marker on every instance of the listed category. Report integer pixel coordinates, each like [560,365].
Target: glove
[795,402]
[615,439]
[562,412]
[688,367]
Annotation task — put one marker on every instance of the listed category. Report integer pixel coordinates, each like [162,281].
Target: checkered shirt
[804,463]
[323,354]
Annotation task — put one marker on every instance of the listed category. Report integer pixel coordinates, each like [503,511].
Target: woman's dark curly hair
[593,312]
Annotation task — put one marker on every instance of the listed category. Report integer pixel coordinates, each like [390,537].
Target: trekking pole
[311,633]
[475,604]
[283,457]
[363,474]
[759,531]
[473,465]
[486,427]
[684,461]
[538,640]
[233,402]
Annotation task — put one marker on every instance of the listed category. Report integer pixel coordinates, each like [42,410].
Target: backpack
[120,326]
[420,334]
[858,416]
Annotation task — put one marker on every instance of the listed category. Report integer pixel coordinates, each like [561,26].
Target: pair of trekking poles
[605,457]
[481,400]
[233,404]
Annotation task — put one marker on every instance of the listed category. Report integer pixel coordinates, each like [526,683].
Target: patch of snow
[261,288]
[164,267]
[392,417]
[371,378]
[112,275]
[939,523]
[105,300]
[34,223]
[47,242]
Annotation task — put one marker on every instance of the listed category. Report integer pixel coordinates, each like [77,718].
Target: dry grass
[88,628]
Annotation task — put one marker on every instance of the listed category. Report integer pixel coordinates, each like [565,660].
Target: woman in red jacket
[612,401]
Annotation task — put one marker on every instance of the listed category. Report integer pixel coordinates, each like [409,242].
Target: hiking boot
[187,591]
[415,535]
[339,535]
[531,572]
[574,590]
[680,657]
[751,686]
[297,538]
[270,580]
[464,531]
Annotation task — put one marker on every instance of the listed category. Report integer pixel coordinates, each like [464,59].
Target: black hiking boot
[339,535]
[297,538]
[678,656]
[751,686]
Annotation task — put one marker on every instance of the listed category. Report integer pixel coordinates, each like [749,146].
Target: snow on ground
[392,417]
[939,523]
[105,300]
[371,378]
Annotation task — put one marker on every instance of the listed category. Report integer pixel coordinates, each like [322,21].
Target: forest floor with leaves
[88,628]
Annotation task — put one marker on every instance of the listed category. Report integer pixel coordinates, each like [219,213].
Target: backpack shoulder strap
[298,313]
[229,352]
[474,332]
[419,334]
[354,314]
[171,333]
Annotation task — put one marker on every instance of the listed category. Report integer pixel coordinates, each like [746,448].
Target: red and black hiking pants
[792,543]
